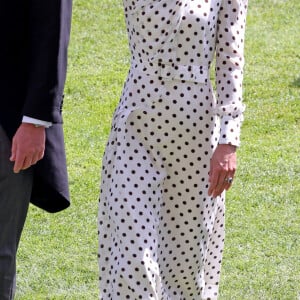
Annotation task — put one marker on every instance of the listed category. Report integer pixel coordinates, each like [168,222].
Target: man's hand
[222,169]
[28,146]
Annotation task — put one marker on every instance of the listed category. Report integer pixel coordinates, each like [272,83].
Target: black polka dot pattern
[160,235]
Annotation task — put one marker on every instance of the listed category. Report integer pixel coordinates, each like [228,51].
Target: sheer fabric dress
[160,235]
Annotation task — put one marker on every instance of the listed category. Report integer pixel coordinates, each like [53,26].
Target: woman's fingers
[222,169]
[220,173]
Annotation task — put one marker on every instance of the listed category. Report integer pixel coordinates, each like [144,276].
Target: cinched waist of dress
[192,73]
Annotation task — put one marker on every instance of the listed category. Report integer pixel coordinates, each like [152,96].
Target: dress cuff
[230,130]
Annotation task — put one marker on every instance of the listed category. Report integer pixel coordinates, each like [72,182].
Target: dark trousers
[15,192]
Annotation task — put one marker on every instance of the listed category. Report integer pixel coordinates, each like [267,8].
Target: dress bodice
[178,39]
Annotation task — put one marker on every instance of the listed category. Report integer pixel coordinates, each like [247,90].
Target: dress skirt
[161,236]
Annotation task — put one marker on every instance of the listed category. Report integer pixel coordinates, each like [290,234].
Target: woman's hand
[222,169]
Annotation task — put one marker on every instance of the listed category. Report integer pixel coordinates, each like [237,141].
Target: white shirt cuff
[36,122]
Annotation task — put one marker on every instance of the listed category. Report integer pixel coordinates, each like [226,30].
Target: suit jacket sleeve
[48,30]
[229,66]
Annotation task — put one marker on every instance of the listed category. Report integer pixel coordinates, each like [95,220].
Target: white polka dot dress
[160,235]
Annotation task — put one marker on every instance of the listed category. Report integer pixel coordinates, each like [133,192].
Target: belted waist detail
[188,73]
[192,73]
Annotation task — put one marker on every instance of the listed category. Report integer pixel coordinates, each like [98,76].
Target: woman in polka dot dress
[171,152]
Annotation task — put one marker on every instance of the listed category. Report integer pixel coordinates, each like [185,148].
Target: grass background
[58,253]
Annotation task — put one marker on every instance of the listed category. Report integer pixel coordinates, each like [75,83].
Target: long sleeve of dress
[229,69]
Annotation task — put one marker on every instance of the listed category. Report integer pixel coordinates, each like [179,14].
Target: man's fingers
[19,163]
[37,157]
[23,163]
[13,151]
[28,146]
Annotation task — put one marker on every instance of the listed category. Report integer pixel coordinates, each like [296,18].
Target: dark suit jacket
[34,36]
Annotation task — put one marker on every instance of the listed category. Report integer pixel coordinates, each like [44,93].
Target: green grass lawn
[58,253]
